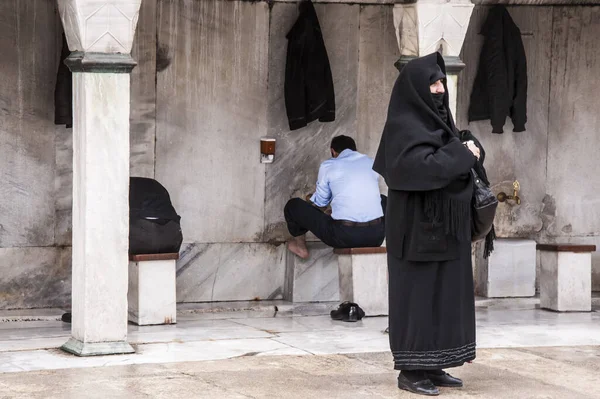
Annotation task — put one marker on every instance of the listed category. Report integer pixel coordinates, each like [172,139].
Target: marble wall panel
[143,93]
[63,185]
[211,113]
[300,152]
[573,144]
[315,279]
[35,277]
[29,40]
[378,51]
[230,272]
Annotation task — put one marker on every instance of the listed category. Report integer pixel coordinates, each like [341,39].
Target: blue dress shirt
[351,185]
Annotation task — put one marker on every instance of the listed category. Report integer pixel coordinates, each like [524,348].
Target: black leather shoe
[348,311]
[444,380]
[66,317]
[423,387]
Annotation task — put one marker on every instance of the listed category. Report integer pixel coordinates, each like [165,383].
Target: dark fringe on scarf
[438,207]
[489,243]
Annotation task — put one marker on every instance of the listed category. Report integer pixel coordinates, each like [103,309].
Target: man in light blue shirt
[348,183]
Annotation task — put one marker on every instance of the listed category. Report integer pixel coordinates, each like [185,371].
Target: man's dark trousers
[302,217]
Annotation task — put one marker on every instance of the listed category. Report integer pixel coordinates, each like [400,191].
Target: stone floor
[535,373]
[210,333]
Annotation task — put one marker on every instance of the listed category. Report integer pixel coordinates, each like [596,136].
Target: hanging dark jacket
[500,88]
[309,93]
[63,91]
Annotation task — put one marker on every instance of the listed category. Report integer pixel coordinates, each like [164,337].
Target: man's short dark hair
[341,143]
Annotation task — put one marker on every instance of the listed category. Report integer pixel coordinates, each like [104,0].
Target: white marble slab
[151,295]
[277,325]
[35,277]
[326,342]
[510,271]
[230,272]
[565,281]
[363,280]
[203,330]
[314,279]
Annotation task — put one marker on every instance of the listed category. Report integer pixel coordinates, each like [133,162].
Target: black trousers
[302,217]
[154,237]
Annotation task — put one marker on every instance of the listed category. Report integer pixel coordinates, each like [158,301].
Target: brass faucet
[516,187]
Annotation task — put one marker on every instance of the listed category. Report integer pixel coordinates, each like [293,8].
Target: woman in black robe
[426,168]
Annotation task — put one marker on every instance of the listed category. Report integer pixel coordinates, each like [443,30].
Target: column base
[84,349]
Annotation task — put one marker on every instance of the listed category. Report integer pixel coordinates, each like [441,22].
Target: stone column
[427,26]
[100,35]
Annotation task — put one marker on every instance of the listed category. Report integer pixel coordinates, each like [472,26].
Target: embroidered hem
[433,360]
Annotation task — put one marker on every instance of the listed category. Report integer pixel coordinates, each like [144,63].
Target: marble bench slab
[152,289]
[510,270]
[566,277]
[363,278]
[314,279]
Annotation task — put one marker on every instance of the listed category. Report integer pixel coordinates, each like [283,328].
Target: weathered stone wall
[554,160]
[33,271]
[574,128]
[221,92]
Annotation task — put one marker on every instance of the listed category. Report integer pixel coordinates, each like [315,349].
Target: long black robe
[431,301]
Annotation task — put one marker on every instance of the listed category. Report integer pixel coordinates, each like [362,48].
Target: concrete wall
[554,160]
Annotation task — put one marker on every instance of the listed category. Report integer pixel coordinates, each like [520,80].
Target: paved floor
[30,346]
[534,373]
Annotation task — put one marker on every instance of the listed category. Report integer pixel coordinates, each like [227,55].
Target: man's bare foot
[297,246]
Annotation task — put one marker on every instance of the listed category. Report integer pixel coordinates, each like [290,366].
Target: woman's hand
[473,148]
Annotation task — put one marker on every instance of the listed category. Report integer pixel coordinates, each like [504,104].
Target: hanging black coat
[309,93]
[500,87]
[63,91]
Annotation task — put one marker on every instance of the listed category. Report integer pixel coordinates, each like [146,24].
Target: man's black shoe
[444,380]
[422,387]
[348,311]
[66,317]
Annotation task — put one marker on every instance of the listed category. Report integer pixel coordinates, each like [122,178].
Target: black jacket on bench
[309,93]
[153,222]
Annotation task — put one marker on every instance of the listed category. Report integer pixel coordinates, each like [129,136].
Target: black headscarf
[416,129]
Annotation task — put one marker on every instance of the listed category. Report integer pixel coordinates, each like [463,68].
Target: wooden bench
[152,293]
[566,277]
[363,278]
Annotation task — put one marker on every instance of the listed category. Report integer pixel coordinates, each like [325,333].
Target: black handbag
[483,208]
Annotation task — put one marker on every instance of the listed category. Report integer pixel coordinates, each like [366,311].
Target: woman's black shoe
[444,380]
[422,387]
[66,317]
